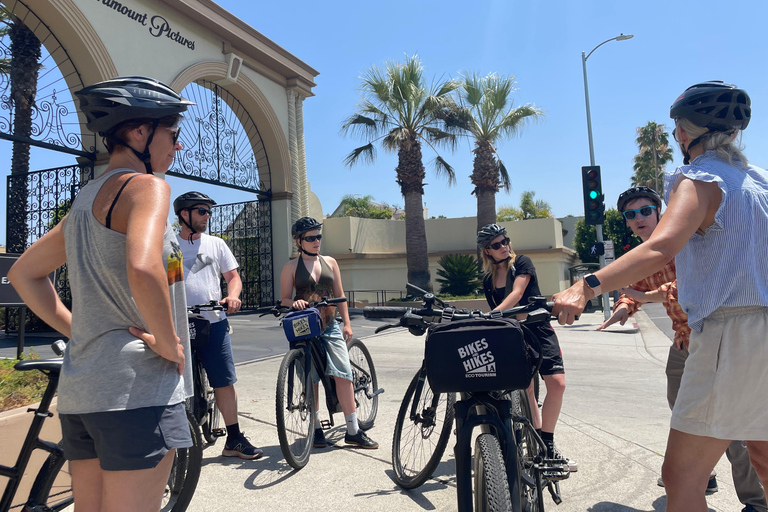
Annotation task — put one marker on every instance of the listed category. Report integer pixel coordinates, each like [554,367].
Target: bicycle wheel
[364,383]
[531,497]
[295,409]
[53,485]
[491,487]
[211,427]
[421,434]
[185,473]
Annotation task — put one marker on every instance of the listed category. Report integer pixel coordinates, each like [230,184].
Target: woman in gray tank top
[122,389]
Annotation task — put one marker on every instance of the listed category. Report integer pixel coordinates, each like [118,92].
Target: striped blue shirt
[728,264]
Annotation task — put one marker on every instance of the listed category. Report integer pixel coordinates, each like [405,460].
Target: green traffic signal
[594,206]
[593,194]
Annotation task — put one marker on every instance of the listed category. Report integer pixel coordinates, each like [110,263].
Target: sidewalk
[614,422]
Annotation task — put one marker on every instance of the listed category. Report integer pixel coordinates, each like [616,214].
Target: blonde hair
[723,142]
[488,264]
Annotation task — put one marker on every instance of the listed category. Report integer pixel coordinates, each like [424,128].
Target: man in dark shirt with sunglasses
[206,259]
[640,207]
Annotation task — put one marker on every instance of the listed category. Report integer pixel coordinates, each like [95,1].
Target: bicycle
[510,457]
[295,398]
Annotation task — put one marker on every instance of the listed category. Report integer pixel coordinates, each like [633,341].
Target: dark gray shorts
[126,440]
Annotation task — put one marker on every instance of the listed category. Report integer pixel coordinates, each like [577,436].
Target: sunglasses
[203,211]
[176,137]
[498,245]
[312,238]
[645,211]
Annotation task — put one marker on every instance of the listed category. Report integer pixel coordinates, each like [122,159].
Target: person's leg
[687,465]
[345,394]
[553,402]
[745,478]
[87,484]
[536,420]
[758,456]
[226,400]
[138,490]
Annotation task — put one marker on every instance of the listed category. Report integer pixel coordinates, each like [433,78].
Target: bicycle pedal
[377,392]
[325,424]
[218,432]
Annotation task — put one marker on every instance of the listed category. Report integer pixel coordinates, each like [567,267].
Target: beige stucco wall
[372,256]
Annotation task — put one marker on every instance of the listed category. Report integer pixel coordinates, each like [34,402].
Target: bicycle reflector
[594,200]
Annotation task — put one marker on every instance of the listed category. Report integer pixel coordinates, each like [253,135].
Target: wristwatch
[593,282]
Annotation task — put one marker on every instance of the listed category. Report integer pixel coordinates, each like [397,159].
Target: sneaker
[749,508]
[554,453]
[711,489]
[240,447]
[361,440]
[320,441]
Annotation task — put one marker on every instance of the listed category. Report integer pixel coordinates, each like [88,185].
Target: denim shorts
[337,354]
[216,356]
[126,440]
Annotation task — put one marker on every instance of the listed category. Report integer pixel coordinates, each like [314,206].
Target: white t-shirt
[205,260]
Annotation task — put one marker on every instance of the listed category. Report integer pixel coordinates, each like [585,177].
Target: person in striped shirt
[641,207]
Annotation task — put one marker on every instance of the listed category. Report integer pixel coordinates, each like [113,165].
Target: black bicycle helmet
[488,233]
[636,193]
[303,225]
[191,199]
[714,105]
[108,104]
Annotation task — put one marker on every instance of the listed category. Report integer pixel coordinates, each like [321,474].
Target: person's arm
[691,204]
[518,288]
[234,287]
[29,276]
[343,307]
[656,295]
[148,199]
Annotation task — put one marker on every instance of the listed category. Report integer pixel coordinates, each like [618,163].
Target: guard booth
[577,273]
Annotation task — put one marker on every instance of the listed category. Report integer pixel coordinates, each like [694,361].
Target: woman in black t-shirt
[510,279]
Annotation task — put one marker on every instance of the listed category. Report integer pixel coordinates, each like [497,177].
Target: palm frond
[396,136]
[506,182]
[365,153]
[361,126]
[440,137]
[443,169]
[516,118]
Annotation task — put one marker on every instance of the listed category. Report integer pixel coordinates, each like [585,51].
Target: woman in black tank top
[313,277]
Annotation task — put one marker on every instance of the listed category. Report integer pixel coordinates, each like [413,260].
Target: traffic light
[594,201]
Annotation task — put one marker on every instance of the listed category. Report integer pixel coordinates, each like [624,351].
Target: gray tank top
[105,367]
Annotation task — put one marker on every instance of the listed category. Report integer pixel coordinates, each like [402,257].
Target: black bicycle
[295,400]
[510,461]
[52,487]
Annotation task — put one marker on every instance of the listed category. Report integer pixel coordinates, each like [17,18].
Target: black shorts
[126,440]
[551,355]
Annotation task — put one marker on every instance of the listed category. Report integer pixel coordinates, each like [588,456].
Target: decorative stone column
[293,145]
[304,190]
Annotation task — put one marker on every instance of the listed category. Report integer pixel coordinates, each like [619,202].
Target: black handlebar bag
[199,331]
[481,355]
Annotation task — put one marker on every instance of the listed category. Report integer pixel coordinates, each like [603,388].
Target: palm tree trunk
[410,177]
[485,178]
[25,56]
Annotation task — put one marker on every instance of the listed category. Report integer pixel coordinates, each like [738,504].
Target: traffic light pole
[599,227]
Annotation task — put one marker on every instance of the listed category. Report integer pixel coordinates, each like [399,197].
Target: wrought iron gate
[247,230]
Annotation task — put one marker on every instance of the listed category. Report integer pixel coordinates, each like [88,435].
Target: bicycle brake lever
[385,327]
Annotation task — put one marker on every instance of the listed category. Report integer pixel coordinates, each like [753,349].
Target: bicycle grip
[384,311]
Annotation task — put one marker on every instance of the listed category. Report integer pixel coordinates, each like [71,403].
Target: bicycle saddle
[44,365]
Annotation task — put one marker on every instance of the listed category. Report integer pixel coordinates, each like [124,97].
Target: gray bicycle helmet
[488,233]
[714,105]
[191,199]
[636,193]
[108,104]
[303,225]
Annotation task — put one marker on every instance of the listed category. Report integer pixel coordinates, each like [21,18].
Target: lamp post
[599,227]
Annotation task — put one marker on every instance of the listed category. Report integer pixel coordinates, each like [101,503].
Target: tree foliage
[615,228]
[459,274]
[653,142]
[363,207]
[529,209]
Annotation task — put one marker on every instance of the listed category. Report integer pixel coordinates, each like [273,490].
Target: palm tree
[487,113]
[654,155]
[529,209]
[399,110]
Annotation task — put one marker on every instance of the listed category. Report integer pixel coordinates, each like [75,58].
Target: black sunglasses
[204,211]
[176,137]
[645,211]
[496,246]
[313,238]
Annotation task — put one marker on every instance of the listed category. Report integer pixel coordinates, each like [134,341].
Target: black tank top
[311,291]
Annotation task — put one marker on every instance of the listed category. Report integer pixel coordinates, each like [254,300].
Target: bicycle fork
[466,421]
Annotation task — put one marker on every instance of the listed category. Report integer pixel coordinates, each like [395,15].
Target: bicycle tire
[52,488]
[531,495]
[295,409]
[419,443]
[364,382]
[185,472]
[491,486]
[210,426]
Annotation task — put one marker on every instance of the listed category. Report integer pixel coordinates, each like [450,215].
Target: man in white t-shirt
[207,258]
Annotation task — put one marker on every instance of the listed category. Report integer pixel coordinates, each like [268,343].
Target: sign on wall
[156,25]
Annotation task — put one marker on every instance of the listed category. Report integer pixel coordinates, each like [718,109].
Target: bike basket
[480,355]
[300,325]
[199,331]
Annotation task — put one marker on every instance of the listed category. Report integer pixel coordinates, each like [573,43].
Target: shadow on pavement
[659,505]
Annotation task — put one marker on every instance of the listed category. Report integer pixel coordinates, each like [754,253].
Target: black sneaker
[320,441]
[749,508]
[711,485]
[361,440]
[554,453]
[241,447]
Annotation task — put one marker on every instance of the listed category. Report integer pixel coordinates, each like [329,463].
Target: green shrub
[459,274]
[20,388]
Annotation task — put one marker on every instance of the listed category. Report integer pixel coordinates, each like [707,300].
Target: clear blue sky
[631,82]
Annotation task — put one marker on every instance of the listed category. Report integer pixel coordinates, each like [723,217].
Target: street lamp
[599,227]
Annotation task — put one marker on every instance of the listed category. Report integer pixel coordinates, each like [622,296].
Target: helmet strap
[143,156]
[499,262]
[686,154]
[309,253]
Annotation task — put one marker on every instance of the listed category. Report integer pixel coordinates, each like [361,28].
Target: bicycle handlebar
[210,306]
[279,309]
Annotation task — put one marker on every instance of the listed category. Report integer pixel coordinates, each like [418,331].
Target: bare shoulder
[331,261]
[291,265]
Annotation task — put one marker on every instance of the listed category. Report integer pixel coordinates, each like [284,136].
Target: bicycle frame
[31,442]
[314,357]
